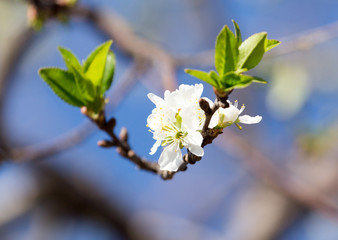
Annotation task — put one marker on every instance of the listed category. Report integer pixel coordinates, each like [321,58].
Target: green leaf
[270,44]
[69,58]
[63,84]
[202,76]
[108,74]
[238,33]
[95,63]
[229,80]
[226,51]
[85,86]
[215,78]
[259,80]
[233,80]
[245,81]
[251,51]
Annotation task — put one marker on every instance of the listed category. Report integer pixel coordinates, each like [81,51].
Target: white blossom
[176,123]
[225,117]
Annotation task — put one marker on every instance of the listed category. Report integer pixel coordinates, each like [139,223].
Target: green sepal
[63,85]
[95,63]
[238,34]
[251,51]
[69,58]
[108,73]
[270,44]
[226,51]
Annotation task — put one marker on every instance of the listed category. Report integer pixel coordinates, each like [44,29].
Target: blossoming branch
[183,119]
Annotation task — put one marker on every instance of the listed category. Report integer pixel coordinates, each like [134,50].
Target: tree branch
[124,149]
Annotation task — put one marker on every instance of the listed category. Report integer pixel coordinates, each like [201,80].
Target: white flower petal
[185,95]
[171,158]
[230,114]
[191,92]
[246,119]
[156,99]
[189,117]
[196,150]
[155,146]
[194,138]
[214,119]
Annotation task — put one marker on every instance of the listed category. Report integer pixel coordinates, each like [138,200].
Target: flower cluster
[177,122]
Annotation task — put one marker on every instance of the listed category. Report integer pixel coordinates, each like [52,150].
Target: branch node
[131,154]
[222,98]
[122,152]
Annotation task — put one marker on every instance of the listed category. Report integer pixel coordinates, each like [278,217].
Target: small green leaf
[259,80]
[245,81]
[226,51]
[270,44]
[229,80]
[84,85]
[95,63]
[108,74]
[69,58]
[238,33]
[233,80]
[215,78]
[251,51]
[63,84]
[202,76]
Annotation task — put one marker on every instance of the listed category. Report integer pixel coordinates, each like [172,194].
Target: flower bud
[205,106]
[105,143]
[111,124]
[124,134]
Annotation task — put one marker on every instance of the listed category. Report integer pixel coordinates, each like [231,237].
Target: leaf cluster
[83,84]
[234,57]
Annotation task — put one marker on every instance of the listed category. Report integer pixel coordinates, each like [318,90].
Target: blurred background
[274,180]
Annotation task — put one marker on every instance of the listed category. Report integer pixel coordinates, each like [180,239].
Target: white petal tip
[246,119]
